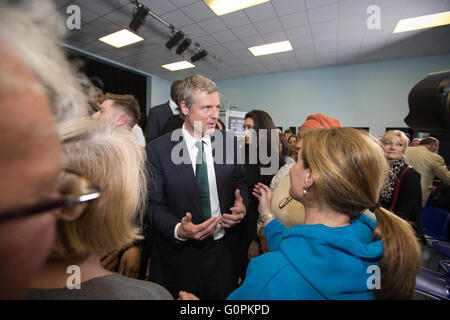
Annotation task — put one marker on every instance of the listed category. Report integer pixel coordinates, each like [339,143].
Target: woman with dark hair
[261,151]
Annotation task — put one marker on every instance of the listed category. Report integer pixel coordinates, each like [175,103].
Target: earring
[305,192]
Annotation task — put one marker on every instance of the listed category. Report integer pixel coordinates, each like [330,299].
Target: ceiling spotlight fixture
[174,39]
[138,18]
[183,46]
[199,55]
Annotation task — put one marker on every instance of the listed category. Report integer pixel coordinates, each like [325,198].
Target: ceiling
[323,33]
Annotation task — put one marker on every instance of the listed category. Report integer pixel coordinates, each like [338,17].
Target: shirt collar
[190,140]
[174,107]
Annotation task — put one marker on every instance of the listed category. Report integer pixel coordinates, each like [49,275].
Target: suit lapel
[187,177]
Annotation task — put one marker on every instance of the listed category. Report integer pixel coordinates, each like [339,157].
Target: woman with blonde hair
[114,161]
[339,253]
[401,193]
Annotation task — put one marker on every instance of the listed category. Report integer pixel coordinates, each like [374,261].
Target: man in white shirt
[196,204]
[158,115]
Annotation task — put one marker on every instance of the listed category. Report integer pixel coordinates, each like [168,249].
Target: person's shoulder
[130,288]
[159,107]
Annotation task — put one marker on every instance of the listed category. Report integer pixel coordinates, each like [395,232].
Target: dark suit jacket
[172,193]
[157,117]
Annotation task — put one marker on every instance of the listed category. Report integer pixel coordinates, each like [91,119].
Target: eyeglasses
[284,202]
[76,192]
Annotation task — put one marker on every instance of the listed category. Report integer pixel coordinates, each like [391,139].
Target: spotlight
[138,18]
[183,46]
[199,55]
[174,39]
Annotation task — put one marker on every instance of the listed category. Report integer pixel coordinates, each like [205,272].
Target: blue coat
[314,262]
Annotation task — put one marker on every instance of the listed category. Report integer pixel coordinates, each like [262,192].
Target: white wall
[371,95]
[159,91]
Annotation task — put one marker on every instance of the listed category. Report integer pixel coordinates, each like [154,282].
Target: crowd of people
[187,211]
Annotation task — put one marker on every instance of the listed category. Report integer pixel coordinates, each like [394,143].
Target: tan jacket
[429,165]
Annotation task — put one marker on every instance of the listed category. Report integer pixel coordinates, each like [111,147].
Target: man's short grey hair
[187,89]
[33,30]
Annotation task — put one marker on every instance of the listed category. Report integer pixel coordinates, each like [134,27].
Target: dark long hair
[262,120]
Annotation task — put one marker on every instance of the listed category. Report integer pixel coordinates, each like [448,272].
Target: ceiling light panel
[221,7]
[271,48]
[178,66]
[121,38]
[423,22]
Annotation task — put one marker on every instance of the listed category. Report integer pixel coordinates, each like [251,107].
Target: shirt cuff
[175,233]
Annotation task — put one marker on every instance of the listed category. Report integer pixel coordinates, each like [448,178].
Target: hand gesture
[237,212]
[189,230]
[264,195]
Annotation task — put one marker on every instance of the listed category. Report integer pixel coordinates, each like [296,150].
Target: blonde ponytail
[402,256]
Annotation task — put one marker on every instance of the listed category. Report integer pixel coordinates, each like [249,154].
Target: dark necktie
[201,172]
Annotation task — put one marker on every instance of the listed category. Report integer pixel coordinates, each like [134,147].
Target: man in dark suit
[158,115]
[197,199]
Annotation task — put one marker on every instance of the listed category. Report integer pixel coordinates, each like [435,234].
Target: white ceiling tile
[182,3]
[194,31]
[268,26]
[284,7]
[323,28]
[322,14]
[245,31]
[253,41]
[297,19]
[300,32]
[206,41]
[302,42]
[198,11]
[325,39]
[245,53]
[235,19]
[354,8]
[234,45]
[224,36]
[275,37]
[353,22]
[319,3]
[212,25]
[305,51]
[261,12]
[177,18]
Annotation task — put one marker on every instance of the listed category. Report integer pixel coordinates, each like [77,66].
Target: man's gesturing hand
[188,230]
[237,212]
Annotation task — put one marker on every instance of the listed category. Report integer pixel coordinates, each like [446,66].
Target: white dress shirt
[213,194]
[174,107]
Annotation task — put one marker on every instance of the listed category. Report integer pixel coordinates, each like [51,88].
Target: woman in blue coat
[339,253]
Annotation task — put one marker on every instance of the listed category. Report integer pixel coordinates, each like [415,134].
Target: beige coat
[429,165]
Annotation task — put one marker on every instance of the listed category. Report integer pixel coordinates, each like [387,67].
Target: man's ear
[121,120]
[184,108]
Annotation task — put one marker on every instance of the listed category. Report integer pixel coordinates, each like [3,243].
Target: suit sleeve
[410,190]
[152,129]
[239,178]
[440,169]
[158,210]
